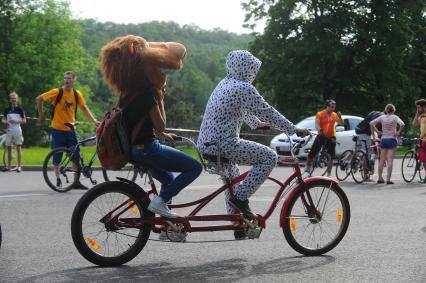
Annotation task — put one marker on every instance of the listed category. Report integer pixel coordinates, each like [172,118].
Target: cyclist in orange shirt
[325,121]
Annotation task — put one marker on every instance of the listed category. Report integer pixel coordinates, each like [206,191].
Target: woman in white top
[390,131]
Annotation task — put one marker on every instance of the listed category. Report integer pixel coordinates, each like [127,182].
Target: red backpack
[113,144]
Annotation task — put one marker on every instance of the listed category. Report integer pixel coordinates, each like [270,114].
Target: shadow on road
[226,270]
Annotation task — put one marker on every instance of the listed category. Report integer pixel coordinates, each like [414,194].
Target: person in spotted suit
[235,101]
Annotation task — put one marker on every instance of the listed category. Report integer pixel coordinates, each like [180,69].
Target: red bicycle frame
[159,223]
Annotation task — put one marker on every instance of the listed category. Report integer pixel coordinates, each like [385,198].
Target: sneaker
[241,205]
[158,206]
[14,169]
[79,186]
[5,169]
[423,181]
[240,235]
[58,183]
[18,169]
[389,183]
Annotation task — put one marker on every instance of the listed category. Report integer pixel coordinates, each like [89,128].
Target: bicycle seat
[213,158]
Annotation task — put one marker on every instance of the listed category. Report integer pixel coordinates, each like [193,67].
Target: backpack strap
[57,99]
[76,102]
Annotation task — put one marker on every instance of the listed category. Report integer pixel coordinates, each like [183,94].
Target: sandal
[380,181]
[389,183]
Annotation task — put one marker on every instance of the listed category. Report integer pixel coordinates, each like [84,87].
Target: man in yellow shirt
[420,121]
[64,111]
[324,123]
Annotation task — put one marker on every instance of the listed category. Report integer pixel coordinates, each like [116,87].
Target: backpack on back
[58,98]
[113,143]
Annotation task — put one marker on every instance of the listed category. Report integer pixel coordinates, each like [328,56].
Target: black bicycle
[321,160]
[65,167]
[362,165]
[411,165]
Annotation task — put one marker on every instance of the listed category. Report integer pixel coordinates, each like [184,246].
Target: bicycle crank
[176,232]
[253,229]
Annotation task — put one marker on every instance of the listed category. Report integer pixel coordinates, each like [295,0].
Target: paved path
[386,240]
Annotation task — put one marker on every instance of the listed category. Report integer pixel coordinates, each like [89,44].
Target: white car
[344,136]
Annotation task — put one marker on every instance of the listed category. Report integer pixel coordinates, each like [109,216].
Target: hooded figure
[234,101]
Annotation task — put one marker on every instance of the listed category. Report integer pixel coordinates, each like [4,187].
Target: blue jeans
[164,160]
[63,139]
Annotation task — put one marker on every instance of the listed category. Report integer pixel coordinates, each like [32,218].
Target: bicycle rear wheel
[59,171]
[343,166]
[128,172]
[321,162]
[359,165]
[309,234]
[99,228]
[409,166]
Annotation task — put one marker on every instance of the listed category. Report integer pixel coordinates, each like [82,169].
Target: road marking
[22,195]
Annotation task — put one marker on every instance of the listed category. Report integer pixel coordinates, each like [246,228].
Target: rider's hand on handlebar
[170,138]
[302,132]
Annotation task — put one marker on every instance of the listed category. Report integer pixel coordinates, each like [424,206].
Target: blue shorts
[388,143]
[63,139]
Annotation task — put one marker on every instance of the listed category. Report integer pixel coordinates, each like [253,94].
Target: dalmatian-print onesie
[234,101]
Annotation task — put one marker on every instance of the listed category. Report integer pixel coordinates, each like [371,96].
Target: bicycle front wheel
[359,167]
[128,172]
[315,228]
[103,224]
[343,166]
[59,170]
[409,166]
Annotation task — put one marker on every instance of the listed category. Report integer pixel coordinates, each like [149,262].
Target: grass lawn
[36,155]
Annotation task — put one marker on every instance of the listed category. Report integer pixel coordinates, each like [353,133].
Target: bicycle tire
[409,166]
[321,163]
[421,170]
[296,213]
[343,166]
[358,167]
[95,250]
[4,156]
[129,172]
[65,167]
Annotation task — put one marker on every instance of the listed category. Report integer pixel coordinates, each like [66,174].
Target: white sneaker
[158,206]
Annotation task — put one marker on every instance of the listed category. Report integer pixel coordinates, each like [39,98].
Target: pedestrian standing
[392,126]
[13,117]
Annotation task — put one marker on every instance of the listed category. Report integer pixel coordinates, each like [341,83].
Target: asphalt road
[385,242]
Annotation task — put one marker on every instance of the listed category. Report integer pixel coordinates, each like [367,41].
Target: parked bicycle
[111,224]
[411,165]
[64,167]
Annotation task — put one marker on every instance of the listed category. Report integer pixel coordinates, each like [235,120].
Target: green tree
[363,54]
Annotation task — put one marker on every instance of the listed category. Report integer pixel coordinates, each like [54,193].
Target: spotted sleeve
[251,120]
[255,105]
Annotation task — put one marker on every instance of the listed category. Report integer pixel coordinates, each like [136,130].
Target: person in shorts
[64,111]
[392,126]
[13,117]
[420,121]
